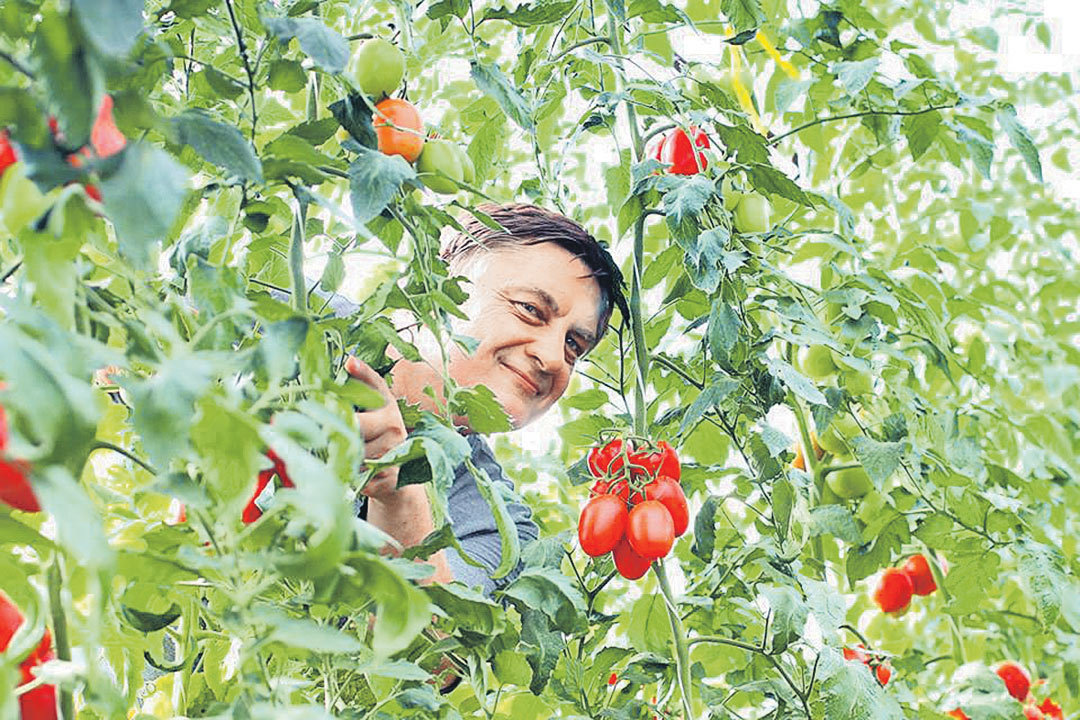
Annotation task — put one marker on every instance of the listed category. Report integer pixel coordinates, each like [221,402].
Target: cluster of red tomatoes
[380,68]
[15,487]
[898,584]
[1018,683]
[637,507]
[678,150]
[880,670]
[39,703]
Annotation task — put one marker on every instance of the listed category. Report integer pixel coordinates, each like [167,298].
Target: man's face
[534,311]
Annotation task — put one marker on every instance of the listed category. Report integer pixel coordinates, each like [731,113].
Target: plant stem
[102,445]
[296,259]
[247,66]
[848,116]
[682,650]
[60,632]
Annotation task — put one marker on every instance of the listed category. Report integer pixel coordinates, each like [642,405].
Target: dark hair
[525,224]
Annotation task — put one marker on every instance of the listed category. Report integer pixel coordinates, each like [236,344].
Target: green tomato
[835,438]
[731,194]
[468,170]
[20,200]
[858,383]
[818,362]
[849,483]
[440,156]
[752,214]
[380,67]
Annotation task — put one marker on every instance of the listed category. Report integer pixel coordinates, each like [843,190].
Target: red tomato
[613,679]
[105,137]
[601,525]
[958,714]
[15,487]
[603,461]
[1033,713]
[654,463]
[1052,710]
[39,703]
[8,156]
[922,579]
[650,530]
[857,653]
[668,492]
[883,673]
[893,592]
[392,141]
[1017,681]
[629,564]
[678,151]
[252,511]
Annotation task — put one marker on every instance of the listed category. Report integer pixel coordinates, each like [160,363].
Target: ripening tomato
[1052,710]
[405,137]
[1017,681]
[380,67]
[7,152]
[613,679]
[679,152]
[857,653]
[650,530]
[105,137]
[849,483]
[753,214]
[883,673]
[922,579]
[601,524]
[817,363]
[662,461]
[603,461]
[893,592]
[667,491]
[629,564]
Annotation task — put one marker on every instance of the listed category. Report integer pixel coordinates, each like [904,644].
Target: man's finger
[363,372]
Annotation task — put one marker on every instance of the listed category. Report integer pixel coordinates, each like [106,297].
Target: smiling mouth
[529,383]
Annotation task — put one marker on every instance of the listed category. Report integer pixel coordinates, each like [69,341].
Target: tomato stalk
[60,633]
[814,466]
[682,650]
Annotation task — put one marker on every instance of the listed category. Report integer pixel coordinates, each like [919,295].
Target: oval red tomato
[629,564]
[604,461]
[654,463]
[922,578]
[678,151]
[650,530]
[252,511]
[1017,681]
[894,591]
[668,492]
[15,489]
[857,653]
[601,524]
[884,674]
[39,703]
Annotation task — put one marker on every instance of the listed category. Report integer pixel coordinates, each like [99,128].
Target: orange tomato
[394,113]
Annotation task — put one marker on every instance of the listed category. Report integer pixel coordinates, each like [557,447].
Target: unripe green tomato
[440,156]
[849,483]
[20,200]
[858,383]
[468,170]
[380,67]
[752,214]
[731,195]
[835,438]
[818,362]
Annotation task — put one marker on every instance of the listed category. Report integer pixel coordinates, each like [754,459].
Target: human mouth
[524,380]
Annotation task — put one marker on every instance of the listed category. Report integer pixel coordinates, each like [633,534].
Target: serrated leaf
[219,144]
[326,48]
[492,82]
[553,594]
[794,381]
[374,178]
[879,459]
[743,13]
[835,520]
[538,13]
[1021,140]
[112,26]
[921,131]
[855,76]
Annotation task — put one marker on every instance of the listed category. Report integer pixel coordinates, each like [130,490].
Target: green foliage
[146,363]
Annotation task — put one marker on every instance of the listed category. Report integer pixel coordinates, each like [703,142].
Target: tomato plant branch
[242,46]
[16,64]
[848,116]
[102,445]
[579,44]
[60,632]
[678,636]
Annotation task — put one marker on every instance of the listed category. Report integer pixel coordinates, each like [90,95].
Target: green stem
[60,633]
[102,445]
[682,650]
[848,116]
[296,259]
[817,545]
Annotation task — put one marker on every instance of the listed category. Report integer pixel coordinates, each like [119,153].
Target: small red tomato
[1017,681]
[601,525]
[958,714]
[922,579]
[1052,710]
[654,463]
[1033,713]
[603,461]
[613,679]
[857,653]
[679,152]
[668,492]
[629,564]
[883,673]
[650,530]
[8,156]
[893,592]
[15,487]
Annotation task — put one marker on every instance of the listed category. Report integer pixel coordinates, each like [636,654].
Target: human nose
[548,349]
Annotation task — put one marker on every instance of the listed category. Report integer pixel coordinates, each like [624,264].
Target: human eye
[530,308]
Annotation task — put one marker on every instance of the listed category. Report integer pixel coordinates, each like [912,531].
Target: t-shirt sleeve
[474,523]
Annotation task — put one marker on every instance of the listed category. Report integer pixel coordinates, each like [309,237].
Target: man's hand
[383,429]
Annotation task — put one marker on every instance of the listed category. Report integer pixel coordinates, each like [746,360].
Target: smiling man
[541,295]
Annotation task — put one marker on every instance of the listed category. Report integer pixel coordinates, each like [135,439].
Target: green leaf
[980,149]
[855,76]
[306,634]
[1041,568]
[79,527]
[538,13]
[647,626]
[485,413]
[142,199]
[743,13]
[287,76]
[921,131]
[766,178]
[835,520]
[794,381]
[148,622]
[879,459]
[715,392]
[71,78]
[112,26]
[705,529]
[787,616]
[219,144]
[374,179]
[1021,140]
[748,146]
[543,647]
[553,594]
[492,82]
[327,49]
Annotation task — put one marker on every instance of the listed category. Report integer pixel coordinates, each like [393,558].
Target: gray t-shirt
[473,522]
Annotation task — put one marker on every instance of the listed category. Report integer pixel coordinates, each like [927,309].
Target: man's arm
[404,513]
